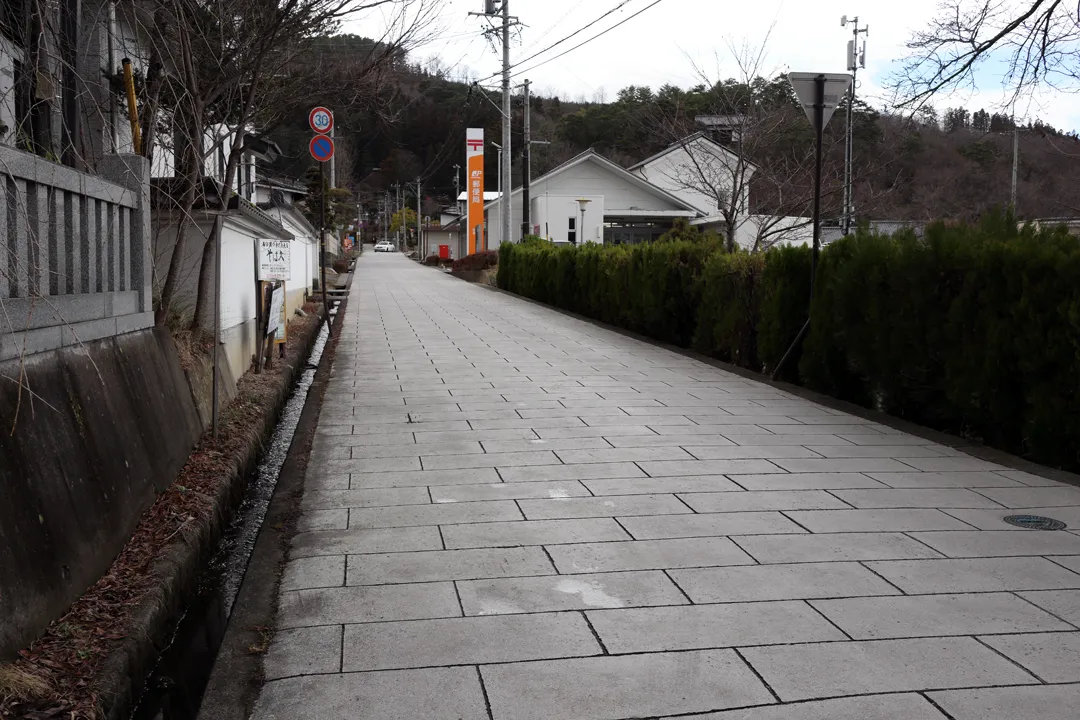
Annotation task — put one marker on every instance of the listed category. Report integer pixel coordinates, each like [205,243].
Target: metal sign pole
[322,240]
[819,130]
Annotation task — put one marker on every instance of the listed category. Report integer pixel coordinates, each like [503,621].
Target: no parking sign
[321,148]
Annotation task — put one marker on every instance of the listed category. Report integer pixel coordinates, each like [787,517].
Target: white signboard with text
[275,260]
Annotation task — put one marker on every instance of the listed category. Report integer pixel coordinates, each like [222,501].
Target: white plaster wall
[553,213]
[694,165]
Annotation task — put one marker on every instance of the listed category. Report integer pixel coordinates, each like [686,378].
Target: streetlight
[819,94]
[582,203]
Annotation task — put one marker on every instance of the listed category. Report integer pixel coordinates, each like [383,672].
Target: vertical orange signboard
[474,165]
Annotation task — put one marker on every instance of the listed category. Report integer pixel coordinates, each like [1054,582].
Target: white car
[384,246]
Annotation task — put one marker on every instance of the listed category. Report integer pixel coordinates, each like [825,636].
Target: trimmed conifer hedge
[972,329]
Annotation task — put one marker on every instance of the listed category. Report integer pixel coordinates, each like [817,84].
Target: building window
[571,236]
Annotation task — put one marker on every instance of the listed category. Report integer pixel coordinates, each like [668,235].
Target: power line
[555,44]
[586,42]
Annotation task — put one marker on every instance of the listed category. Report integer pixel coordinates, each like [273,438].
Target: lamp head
[843,21]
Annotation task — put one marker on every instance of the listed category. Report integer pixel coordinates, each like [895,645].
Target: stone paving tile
[916,498]
[1034,496]
[471,476]
[1063,603]
[976,575]
[873,707]
[741,428]
[1058,702]
[489,460]
[313,520]
[647,555]
[780,582]
[623,454]
[424,437]
[767,439]
[710,626]
[503,596]
[667,468]
[952,464]
[631,486]
[1027,478]
[313,572]
[944,480]
[435,694]
[807,481]
[347,542]
[438,514]
[533,532]
[834,547]
[874,451]
[466,641]
[612,688]
[585,471]
[590,432]
[821,670]
[580,443]
[820,429]
[842,465]
[714,502]
[1052,657]
[995,519]
[337,606]
[1071,562]
[937,615]
[644,441]
[530,424]
[903,520]
[416,450]
[708,525]
[994,543]
[743,452]
[508,491]
[337,499]
[609,506]
[304,651]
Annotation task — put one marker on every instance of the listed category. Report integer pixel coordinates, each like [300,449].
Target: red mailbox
[444,252]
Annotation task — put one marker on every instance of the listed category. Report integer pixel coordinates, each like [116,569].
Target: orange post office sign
[474,165]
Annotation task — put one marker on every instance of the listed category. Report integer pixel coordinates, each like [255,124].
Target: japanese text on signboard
[275,259]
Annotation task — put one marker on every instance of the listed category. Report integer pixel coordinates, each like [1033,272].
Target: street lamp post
[582,203]
[819,94]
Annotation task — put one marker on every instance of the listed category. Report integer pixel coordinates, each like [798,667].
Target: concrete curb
[127,668]
[978,450]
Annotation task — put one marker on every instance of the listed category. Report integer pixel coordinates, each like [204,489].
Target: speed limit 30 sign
[321,120]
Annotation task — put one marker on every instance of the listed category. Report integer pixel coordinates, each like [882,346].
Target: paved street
[515,515]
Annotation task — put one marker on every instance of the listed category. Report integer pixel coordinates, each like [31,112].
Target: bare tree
[1038,40]
[233,69]
[758,147]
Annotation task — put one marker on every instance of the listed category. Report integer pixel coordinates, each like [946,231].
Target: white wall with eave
[688,171]
[554,202]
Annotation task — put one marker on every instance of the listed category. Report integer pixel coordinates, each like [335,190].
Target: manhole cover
[1035,522]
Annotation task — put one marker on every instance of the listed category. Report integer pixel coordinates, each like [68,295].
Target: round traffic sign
[321,120]
[321,147]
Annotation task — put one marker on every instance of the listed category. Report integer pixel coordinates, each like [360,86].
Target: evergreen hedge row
[972,329]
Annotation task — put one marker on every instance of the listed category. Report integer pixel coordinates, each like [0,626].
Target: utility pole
[333,163]
[397,211]
[855,60]
[506,157]
[419,231]
[457,188]
[1016,163]
[526,170]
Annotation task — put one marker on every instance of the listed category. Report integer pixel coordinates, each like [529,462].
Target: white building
[622,207]
[688,180]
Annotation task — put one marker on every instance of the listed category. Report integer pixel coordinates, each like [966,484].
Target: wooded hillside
[948,163]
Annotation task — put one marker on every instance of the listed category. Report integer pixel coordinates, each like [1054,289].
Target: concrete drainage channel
[175,689]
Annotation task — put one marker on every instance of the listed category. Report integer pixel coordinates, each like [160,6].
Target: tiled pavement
[514,515]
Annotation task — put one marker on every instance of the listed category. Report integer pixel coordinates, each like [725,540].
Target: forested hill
[947,163]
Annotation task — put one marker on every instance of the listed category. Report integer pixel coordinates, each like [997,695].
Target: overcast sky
[663,44]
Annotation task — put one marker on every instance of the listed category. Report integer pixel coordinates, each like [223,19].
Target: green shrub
[971,329]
